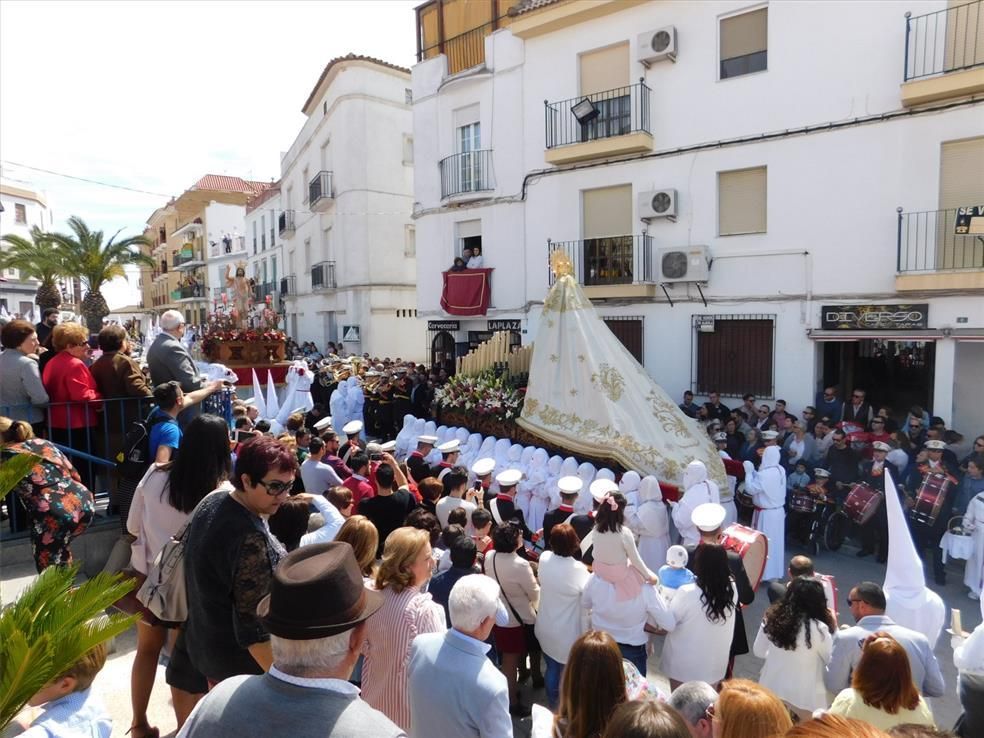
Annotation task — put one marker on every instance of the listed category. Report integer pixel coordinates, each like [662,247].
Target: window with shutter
[607,231]
[742,201]
[744,43]
[961,185]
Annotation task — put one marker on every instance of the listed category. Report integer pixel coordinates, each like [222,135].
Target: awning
[967,334]
[916,335]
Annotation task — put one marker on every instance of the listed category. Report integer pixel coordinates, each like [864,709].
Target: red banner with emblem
[467,292]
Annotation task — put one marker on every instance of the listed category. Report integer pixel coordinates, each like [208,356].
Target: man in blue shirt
[463,554]
[165,433]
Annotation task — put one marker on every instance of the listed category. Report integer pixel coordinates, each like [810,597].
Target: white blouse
[797,676]
[560,620]
[697,648]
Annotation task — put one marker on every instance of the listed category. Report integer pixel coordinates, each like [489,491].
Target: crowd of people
[413,584]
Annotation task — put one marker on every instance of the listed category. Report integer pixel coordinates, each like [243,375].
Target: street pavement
[113,683]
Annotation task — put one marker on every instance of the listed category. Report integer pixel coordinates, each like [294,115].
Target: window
[606,70]
[628,330]
[607,229]
[305,181]
[742,201]
[254,236]
[744,43]
[273,222]
[407,149]
[408,96]
[736,356]
[469,164]
[469,235]
[263,233]
[20,213]
[961,184]
[410,241]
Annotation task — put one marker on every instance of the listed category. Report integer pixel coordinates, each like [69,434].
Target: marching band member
[929,462]
[874,533]
[450,452]
[417,460]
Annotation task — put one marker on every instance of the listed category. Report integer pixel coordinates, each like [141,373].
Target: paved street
[114,681]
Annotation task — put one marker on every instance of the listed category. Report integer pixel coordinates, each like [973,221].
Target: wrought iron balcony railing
[285,223]
[928,241]
[605,114]
[319,191]
[288,286]
[609,260]
[469,171]
[947,40]
[323,276]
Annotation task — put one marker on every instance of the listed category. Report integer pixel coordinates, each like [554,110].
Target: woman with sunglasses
[230,556]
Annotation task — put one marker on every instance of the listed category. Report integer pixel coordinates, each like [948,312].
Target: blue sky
[152,95]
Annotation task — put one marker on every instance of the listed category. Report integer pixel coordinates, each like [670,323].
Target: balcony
[466,174]
[609,123]
[944,54]
[262,291]
[933,255]
[464,51]
[285,223]
[288,286]
[187,259]
[323,276]
[319,192]
[611,266]
[228,246]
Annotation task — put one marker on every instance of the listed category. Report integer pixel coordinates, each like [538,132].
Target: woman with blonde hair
[406,613]
[745,709]
[359,532]
[882,691]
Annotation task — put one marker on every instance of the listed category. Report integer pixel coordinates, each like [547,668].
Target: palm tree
[36,258]
[97,263]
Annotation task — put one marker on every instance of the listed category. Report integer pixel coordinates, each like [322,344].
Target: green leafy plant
[36,258]
[50,627]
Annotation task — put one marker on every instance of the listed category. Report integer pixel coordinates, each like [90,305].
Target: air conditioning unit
[654,46]
[686,264]
[658,204]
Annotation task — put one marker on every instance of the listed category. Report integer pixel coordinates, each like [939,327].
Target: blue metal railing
[93,448]
[948,40]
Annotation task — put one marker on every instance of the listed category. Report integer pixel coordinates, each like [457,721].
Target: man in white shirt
[318,477]
[459,495]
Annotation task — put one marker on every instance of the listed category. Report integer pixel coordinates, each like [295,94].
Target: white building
[347,269]
[761,197]
[266,224]
[23,208]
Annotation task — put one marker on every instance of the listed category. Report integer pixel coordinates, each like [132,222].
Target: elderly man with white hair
[692,700]
[168,360]
[455,690]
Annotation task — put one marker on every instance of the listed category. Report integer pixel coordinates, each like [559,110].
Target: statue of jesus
[241,297]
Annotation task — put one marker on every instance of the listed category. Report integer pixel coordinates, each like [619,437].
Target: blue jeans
[636,655]
[551,681]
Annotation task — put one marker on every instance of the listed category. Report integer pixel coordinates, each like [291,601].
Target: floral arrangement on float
[482,397]
[261,342]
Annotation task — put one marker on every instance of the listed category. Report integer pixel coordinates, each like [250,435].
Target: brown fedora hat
[317,591]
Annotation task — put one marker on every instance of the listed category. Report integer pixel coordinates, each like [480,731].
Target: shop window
[734,354]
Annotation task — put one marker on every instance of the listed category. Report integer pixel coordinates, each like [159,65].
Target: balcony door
[607,249]
[604,78]
[469,143]
[961,185]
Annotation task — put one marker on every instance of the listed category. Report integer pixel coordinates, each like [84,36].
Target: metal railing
[927,242]
[469,171]
[948,40]
[190,291]
[319,188]
[608,260]
[616,112]
[288,286]
[261,291]
[184,257]
[323,276]
[229,245]
[464,51]
[93,446]
[285,222]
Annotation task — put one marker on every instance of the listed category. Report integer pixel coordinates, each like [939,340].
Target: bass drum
[752,546]
[862,503]
[930,498]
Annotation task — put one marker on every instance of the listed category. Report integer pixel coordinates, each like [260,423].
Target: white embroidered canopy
[588,394]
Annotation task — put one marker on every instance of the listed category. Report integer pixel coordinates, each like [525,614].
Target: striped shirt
[389,633]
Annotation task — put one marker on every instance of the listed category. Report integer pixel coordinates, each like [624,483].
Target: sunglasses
[915,427]
[276,487]
[851,602]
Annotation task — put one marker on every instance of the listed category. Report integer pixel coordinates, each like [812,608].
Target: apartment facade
[346,270]
[748,212]
[266,225]
[23,208]
[197,237]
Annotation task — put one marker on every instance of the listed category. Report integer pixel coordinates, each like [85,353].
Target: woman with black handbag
[162,505]
[521,594]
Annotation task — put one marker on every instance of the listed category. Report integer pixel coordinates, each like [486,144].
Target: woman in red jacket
[72,415]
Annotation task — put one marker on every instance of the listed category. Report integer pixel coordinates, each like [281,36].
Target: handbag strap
[495,574]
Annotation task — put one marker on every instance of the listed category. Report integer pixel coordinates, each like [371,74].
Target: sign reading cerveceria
[874,317]
[443,325]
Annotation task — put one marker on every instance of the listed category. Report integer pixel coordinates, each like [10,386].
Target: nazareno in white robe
[974,519]
[699,490]
[767,486]
[652,523]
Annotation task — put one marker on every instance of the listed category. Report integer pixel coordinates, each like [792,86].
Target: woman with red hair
[882,691]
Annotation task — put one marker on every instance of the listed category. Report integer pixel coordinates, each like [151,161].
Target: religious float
[576,391]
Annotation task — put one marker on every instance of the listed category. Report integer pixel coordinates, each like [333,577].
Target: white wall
[968,407]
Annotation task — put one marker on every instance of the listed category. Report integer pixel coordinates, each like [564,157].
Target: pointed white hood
[259,403]
[910,602]
[649,490]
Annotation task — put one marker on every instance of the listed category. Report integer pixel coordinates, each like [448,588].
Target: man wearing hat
[417,460]
[450,452]
[315,614]
[482,470]
[472,699]
[728,495]
[353,442]
[570,488]
[503,505]
[874,533]
[930,461]
[709,519]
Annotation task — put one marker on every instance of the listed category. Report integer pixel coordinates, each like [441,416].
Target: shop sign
[443,325]
[704,323]
[907,317]
[504,325]
[969,220]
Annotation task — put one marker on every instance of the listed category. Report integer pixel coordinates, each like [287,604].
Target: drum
[930,498]
[862,503]
[802,501]
[743,498]
[752,546]
[734,468]
[819,492]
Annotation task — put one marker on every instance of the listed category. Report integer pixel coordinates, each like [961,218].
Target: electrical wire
[84,179]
